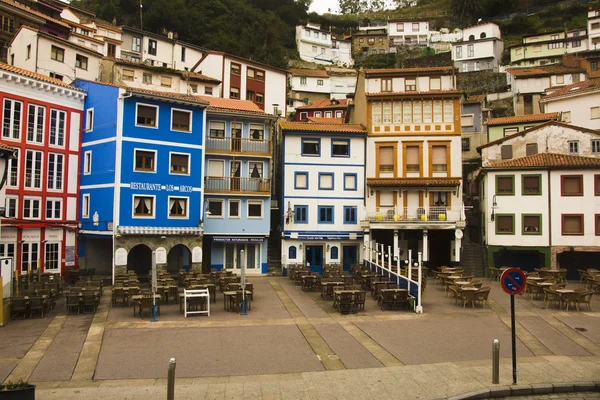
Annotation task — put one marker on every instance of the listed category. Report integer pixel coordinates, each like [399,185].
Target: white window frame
[256,127]
[189,156]
[36,114]
[262,208]
[147,105]
[318,114]
[30,215]
[213,161]
[32,186]
[238,216]
[595,112]
[152,216]
[64,135]
[89,119]
[210,128]
[575,145]
[6,207]
[85,206]
[190,113]
[9,166]
[566,116]
[58,257]
[12,119]
[187,207]
[470,50]
[472,116]
[222,216]
[55,173]
[595,144]
[54,200]
[87,162]
[135,150]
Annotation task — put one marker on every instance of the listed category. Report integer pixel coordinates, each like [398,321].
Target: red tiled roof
[549,161]
[576,88]
[415,93]
[231,105]
[198,77]
[312,127]
[523,118]
[325,120]
[414,182]
[544,70]
[308,72]
[184,74]
[448,69]
[40,77]
[58,39]
[327,103]
[34,12]
[475,99]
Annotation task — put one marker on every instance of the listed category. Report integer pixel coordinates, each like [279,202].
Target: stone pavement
[294,345]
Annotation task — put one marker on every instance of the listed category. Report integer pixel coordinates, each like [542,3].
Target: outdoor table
[460,283]
[337,293]
[324,287]
[536,278]
[228,294]
[545,284]
[469,289]
[454,276]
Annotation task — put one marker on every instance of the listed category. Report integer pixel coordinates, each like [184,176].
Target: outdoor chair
[250,288]
[482,296]
[233,286]
[562,275]
[400,299]
[359,300]
[535,290]
[551,295]
[593,283]
[37,305]
[386,299]
[345,304]
[455,293]
[89,302]
[308,283]
[73,303]
[570,298]
[145,303]
[18,306]
[478,283]
[235,301]
[584,297]
[172,294]
[118,294]
[583,275]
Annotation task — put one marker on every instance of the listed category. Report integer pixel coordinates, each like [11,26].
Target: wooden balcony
[225,184]
[229,145]
[412,215]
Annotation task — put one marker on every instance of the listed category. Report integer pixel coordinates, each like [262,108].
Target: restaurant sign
[157,187]
[238,239]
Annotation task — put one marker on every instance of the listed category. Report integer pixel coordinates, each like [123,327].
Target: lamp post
[243,281]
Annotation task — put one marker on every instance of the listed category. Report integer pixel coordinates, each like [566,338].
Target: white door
[233,257]
[52,257]
[29,257]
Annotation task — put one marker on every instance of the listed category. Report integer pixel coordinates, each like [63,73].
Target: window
[53,208]
[532,224]
[11,207]
[410,85]
[505,185]
[301,180]
[178,207]
[506,152]
[257,132]
[250,95]
[314,49]
[300,214]
[303,81]
[466,120]
[31,208]
[317,114]
[33,169]
[13,171]
[7,24]
[371,40]
[386,159]
[435,83]
[180,163]
[55,171]
[340,148]
[145,161]
[236,69]
[183,54]
[595,112]
[439,158]
[572,224]
[152,47]
[560,79]
[415,26]
[255,169]
[311,147]
[11,119]
[573,146]
[571,185]
[87,162]
[458,52]
[147,115]
[470,51]
[350,215]
[597,227]
[325,181]
[147,78]
[234,93]
[234,209]
[350,181]
[400,26]
[29,257]
[57,128]
[207,89]
[215,208]
[143,206]
[35,124]
[89,120]
[181,120]
[260,98]
[412,159]
[594,65]
[532,185]
[255,209]
[328,114]
[531,149]
[339,114]
[81,62]
[111,50]
[85,206]
[292,253]
[510,131]
[56,53]
[596,146]
[136,44]
[260,75]
[505,224]
[51,258]
[466,144]
[566,116]
[56,76]
[386,85]
[217,129]
[319,82]
[325,214]
[165,81]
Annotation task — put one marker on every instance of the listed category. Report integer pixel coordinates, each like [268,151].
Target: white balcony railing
[400,214]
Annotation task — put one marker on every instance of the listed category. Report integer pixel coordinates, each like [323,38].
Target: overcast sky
[323,6]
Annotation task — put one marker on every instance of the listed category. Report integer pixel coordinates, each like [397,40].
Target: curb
[525,390]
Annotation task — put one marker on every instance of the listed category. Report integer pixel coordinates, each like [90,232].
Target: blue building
[237,185]
[141,179]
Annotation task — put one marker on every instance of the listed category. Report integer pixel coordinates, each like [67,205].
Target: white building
[53,56]
[323,193]
[579,103]
[90,32]
[319,46]
[540,209]
[480,49]
[593,29]
[406,32]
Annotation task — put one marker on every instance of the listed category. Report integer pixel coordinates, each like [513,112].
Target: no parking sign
[513,281]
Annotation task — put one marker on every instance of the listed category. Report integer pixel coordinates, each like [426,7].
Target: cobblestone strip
[33,357]
[575,336]
[326,355]
[86,365]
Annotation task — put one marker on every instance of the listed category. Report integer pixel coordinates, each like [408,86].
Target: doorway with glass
[234,257]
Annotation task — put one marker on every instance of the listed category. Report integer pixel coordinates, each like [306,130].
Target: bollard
[496,362]
[171,380]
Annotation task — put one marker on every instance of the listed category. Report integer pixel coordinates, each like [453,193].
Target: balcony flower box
[441,217]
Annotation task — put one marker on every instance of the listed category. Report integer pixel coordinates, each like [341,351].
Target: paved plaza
[292,344]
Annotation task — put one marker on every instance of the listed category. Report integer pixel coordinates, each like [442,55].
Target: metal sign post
[513,282]
[154,286]
[243,281]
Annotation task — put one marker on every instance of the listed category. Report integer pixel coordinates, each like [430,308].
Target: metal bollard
[171,380]
[496,362]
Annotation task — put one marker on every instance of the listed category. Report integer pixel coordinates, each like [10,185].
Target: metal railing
[233,184]
[414,214]
[238,145]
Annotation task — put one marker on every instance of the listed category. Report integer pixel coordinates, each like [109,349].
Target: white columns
[457,246]
[396,250]
[425,246]
[419,307]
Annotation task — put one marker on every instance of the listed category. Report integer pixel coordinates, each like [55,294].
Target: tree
[353,6]
[467,11]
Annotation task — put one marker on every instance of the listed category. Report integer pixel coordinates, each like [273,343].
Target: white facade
[102,38]
[314,44]
[539,84]
[593,29]
[579,109]
[444,35]
[313,84]
[342,84]
[408,33]
[480,49]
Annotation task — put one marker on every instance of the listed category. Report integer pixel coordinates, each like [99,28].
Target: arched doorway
[179,257]
[139,260]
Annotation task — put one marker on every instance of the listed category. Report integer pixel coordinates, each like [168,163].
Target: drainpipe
[549,218]
[37,51]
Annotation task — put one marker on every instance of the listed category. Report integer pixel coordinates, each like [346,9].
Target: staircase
[472,258]
[274,256]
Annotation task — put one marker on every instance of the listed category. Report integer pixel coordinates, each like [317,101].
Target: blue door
[314,258]
[350,254]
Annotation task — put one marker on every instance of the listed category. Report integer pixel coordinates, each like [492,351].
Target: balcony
[229,145]
[222,184]
[430,215]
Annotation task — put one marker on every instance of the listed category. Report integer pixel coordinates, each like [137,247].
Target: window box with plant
[19,390]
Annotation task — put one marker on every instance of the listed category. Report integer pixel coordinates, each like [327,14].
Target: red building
[329,108]
[42,119]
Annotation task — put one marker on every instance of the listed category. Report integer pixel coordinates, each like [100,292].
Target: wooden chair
[73,304]
[359,300]
[145,303]
[386,299]
[308,283]
[345,303]
[118,294]
[37,305]
[89,302]
[584,297]
[18,306]
[400,299]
